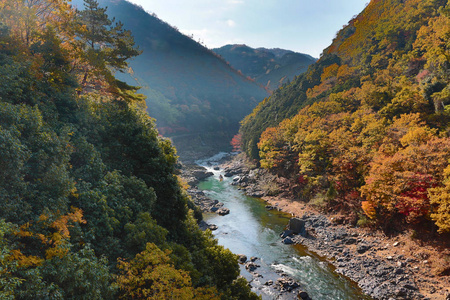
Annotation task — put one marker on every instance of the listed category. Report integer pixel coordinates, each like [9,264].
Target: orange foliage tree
[399,184]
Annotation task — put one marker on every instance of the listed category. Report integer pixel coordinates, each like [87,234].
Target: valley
[110,183]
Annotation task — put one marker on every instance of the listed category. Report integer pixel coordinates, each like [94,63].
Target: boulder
[269,282]
[286,284]
[303,295]
[213,227]
[251,266]
[223,211]
[216,206]
[297,226]
[242,258]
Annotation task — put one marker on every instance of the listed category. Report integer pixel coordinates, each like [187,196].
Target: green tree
[117,214]
[105,48]
[9,281]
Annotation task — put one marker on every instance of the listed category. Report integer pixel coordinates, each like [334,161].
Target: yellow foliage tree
[440,199]
[151,275]
[27,18]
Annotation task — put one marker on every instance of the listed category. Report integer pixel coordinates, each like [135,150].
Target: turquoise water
[252,230]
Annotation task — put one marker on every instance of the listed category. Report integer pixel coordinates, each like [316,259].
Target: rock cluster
[248,182]
[356,258]
[285,287]
[205,203]
[193,174]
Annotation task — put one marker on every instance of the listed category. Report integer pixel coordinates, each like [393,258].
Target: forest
[92,207]
[365,131]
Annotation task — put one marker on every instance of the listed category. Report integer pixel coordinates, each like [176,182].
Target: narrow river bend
[252,230]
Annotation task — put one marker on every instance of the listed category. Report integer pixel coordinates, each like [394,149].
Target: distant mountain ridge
[269,67]
[190,89]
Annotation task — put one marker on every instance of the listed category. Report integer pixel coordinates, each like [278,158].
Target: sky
[306,26]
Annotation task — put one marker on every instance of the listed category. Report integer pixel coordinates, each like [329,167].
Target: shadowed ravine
[252,230]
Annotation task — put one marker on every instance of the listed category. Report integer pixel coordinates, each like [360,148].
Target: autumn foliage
[367,125]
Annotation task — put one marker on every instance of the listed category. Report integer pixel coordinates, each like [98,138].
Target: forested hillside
[366,129]
[270,67]
[90,205]
[190,90]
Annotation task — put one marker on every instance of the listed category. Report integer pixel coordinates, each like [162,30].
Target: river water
[252,230]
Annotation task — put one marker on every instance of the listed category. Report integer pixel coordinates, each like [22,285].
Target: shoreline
[383,267]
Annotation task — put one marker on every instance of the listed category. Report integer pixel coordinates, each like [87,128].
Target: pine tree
[105,48]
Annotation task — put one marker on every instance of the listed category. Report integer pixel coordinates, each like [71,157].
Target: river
[252,230]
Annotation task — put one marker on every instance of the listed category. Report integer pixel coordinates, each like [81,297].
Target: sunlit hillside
[366,129]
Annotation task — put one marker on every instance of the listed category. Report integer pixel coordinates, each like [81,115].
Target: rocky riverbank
[193,174]
[273,284]
[384,267]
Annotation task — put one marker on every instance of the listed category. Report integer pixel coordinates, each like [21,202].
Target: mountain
[366,129]
[270,67]
[191,91]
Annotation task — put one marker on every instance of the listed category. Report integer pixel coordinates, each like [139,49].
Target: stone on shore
[297,226]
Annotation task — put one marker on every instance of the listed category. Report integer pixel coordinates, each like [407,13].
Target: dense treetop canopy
[91,205]
[366,129]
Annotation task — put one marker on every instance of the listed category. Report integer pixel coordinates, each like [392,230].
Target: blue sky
[306,26]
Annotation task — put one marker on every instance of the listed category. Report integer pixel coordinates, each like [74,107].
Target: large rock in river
[297,226]
[223,211]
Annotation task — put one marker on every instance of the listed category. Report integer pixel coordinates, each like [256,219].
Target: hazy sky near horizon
[306,26]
